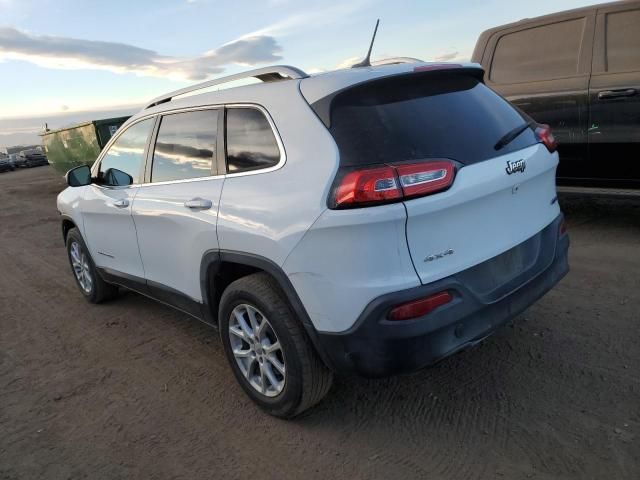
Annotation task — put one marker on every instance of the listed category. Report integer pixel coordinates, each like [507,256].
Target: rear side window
[251,144]
[186,146]
[539,53]
[123,162]
[623,41]
[414,117]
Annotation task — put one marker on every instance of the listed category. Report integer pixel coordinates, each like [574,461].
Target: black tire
[307,379]
[100,290]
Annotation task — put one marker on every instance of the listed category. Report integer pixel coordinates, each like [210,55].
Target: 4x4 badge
[437,256]
[513,167]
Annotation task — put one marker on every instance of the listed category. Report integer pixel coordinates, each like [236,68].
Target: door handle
[198,204]
[627,92]
[120,203]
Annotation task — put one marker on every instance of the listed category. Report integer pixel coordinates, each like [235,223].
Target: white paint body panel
[69,202]
[348,258]
[173,238]
[484,213]
[268,213]
[109,231]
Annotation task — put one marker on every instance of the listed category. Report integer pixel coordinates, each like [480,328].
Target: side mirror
[117,178]
[79,176]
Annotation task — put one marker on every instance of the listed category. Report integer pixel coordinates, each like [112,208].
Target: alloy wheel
[81,269]
[257,350]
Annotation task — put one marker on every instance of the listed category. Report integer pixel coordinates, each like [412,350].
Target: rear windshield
[438,115]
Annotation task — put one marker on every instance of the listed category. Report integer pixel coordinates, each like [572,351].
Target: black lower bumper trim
[376,347]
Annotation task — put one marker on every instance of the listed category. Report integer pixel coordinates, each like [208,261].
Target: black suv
[579,72]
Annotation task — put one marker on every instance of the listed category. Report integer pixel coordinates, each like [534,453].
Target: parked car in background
[328,223]
[5,164]
[19,161]
[32,158]
[579,72]
[12,158]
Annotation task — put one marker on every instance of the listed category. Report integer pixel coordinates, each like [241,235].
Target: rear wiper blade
[512,134]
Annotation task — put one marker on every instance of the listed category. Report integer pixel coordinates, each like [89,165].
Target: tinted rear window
[250,141]
[442,115]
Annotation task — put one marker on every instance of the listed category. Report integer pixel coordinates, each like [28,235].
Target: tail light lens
[367,186]
[418,308]
[543,133]
[384,184]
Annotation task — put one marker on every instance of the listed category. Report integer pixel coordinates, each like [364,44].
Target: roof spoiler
[322,107]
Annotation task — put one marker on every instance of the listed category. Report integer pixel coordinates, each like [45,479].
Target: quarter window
[539,53]
[186,146]
[251,144]
[623,41]
[123,162]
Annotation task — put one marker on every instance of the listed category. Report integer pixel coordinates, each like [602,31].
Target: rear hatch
[497,195]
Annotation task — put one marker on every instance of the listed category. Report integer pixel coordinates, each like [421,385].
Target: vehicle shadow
[602,212]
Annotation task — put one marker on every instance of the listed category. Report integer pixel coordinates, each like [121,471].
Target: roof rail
[266,74]
[396,60]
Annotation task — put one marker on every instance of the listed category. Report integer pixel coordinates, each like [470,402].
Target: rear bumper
[376,347]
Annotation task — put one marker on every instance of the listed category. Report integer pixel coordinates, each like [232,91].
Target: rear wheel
[268,350]
[90,283]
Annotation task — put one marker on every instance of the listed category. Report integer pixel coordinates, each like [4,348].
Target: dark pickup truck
[579,72]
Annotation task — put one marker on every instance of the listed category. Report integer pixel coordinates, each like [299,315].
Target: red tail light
[418,308]
[543,132]
[384,184]
[365,186]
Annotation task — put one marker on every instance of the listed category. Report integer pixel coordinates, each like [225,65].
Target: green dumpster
[78,144]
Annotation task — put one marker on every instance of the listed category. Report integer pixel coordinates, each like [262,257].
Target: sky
[64,61]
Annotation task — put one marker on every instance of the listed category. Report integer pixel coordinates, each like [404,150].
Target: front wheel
[268,349]
[91,284]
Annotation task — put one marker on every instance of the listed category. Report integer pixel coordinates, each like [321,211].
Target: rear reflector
[418,308]
[563,229]
[544,134]
[384,184]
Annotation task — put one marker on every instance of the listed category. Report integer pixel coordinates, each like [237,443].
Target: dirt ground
[134,389]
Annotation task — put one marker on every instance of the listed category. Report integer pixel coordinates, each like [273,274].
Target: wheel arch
[221,267]
[67,224]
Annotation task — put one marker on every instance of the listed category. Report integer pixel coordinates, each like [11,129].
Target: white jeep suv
[371,220]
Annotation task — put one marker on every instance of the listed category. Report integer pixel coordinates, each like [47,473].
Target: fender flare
[212,259]
[66,217]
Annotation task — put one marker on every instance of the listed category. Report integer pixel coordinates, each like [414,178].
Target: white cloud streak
[445,57]
[310,19]
[73,53]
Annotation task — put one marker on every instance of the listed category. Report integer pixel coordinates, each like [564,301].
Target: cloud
[73,53]
[307,19]
[444,57]
[349,62]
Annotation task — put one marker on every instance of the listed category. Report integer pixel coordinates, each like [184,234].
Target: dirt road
[133,389]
